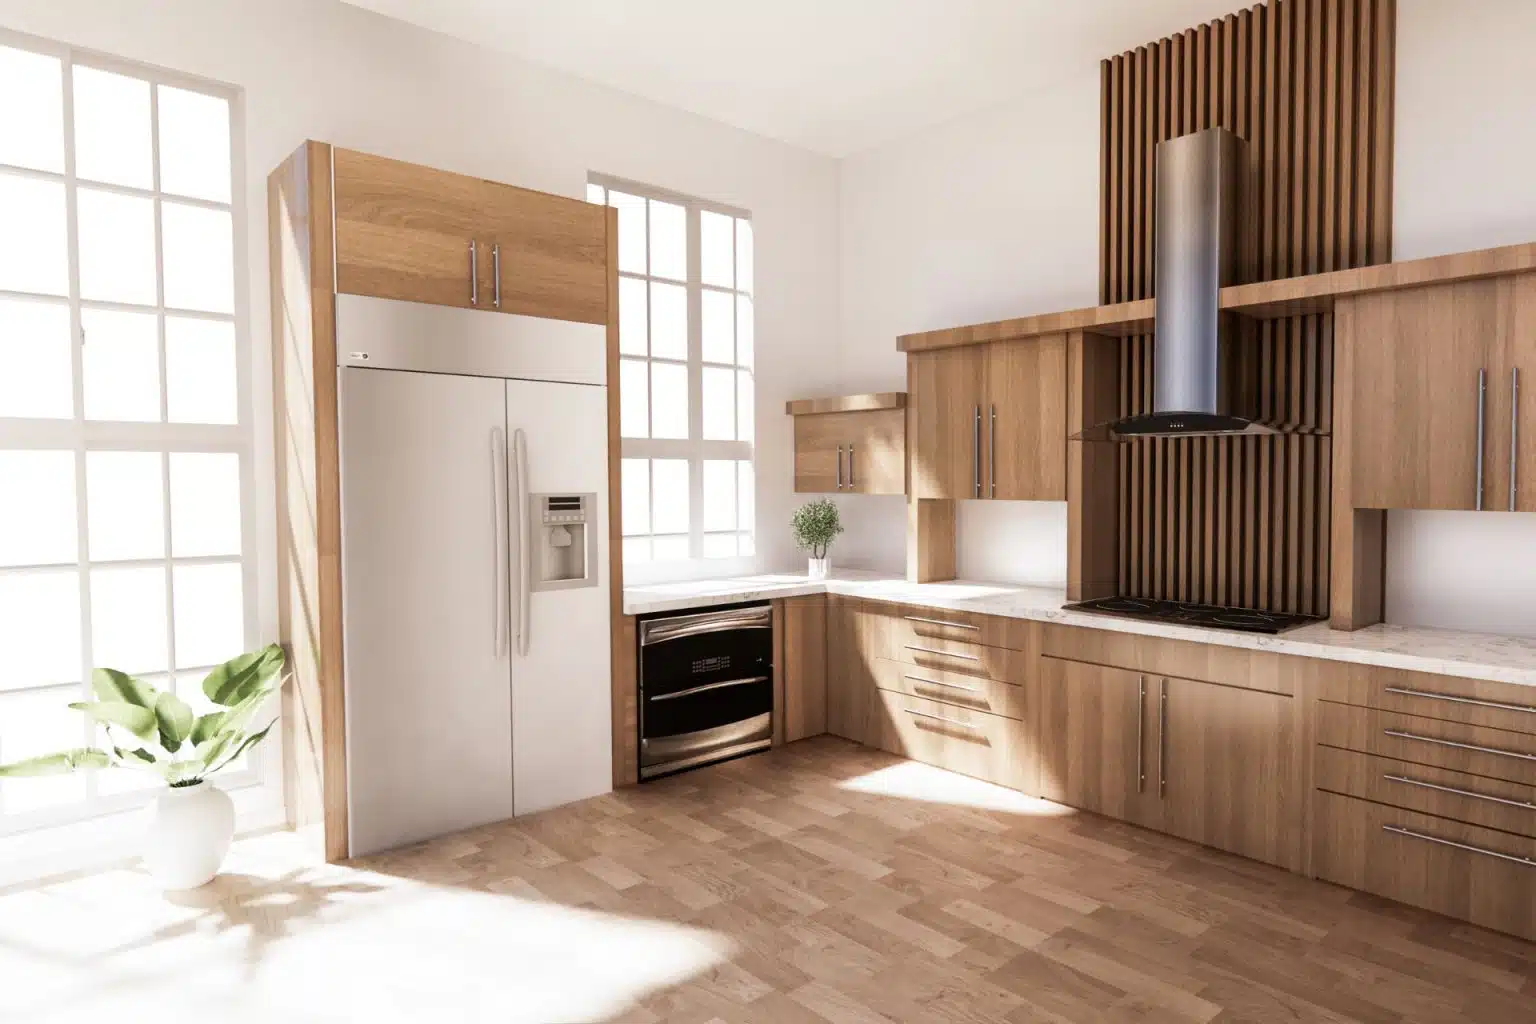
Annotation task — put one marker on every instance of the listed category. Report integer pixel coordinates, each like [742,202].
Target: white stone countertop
[1502,659]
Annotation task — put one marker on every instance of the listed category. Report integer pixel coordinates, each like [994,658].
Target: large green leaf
[174,720]
[250,741]
[61,763]
[135,754]
[112,685]
[137,720]
[238,678]
[216,746]
[206,726]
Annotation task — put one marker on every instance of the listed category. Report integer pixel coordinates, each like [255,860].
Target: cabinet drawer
[958,739]
[1473,799]
[1466,872]
[1499,705]
[915,625]
[975,692]
[1496,753]
[963,659]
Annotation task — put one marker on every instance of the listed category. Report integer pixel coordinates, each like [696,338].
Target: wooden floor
[820,882]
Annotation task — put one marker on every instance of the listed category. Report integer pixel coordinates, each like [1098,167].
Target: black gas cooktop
[1244,619]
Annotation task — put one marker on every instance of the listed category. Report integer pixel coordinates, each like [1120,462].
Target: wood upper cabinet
[1411,413]
[1225,760]
[990,421]
[415,233]
[946,390]
[862,452]
[1096,740]
[1026,419]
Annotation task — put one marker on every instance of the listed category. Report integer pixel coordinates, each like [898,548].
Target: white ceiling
[833,76]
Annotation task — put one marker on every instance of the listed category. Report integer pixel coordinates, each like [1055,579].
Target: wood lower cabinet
[422,235]
[1095,740]
[803,655]
[1226,769]
[958,739]
[851,640]
[1465,871]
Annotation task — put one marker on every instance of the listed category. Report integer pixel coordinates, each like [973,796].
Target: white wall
[323,70]
[990,216]
[995,215]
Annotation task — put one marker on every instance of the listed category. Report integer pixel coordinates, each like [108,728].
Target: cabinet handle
[992,455]
[839,467]
[1399,830]
[938,682]
[474,274]
[940,622]
[1461,792]
[947,721]
[947,654]
[1162,739]
[976,451]
[496,270]
[850,467]
[1514,432]
[1431,694]
[1141,735]
[1460,746]
[1482,403]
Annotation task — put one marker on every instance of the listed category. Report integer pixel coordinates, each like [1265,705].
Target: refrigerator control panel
[564,541]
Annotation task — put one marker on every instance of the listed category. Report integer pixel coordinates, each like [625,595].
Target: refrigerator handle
[524,541]
[499,510]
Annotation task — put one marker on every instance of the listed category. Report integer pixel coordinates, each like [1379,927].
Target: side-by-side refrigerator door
[426,593]
[561,695]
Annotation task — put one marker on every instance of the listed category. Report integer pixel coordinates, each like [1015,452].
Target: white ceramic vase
[819,568]
[187,831]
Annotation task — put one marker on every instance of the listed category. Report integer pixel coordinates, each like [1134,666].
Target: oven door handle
[661,632]
[710,686]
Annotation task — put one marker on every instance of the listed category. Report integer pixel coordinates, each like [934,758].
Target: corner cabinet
[990,421]
[851,445]
[403,231]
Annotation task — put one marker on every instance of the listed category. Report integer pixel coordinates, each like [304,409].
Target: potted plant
[816,525]
[189,824]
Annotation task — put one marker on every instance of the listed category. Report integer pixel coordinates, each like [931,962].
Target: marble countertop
[1501,659]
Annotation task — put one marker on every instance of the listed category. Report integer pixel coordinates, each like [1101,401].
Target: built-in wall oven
[706,687]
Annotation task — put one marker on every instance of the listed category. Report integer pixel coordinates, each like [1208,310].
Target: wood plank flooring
[820,882]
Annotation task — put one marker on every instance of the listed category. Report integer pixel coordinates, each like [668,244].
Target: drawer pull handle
[1460,746]
[940,622]
[1404,691]
[947,654]
[1461,792]
[947,721]
[1399,830]
[938,682]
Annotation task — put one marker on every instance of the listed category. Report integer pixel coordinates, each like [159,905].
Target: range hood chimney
[1198,203]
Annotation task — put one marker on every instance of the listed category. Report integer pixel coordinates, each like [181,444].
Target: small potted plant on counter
[190,823]
[816,525]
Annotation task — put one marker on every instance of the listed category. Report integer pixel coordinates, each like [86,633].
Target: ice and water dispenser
[564,541]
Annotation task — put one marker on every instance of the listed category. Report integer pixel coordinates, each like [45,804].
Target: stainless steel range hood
[1198,205]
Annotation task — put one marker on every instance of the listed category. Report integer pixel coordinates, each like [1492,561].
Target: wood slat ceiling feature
[1308,83]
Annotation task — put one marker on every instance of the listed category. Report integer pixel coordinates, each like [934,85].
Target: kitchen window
[685,374]
[125,431]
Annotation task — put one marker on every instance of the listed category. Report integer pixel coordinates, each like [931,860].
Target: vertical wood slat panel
[1245,521]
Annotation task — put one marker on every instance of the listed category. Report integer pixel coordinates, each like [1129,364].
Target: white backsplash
[1013,542]
[1462,570]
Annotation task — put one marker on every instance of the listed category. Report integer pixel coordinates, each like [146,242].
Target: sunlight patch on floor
[912,781]
[271,941]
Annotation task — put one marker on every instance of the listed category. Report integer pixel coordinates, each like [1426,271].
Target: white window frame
[695,448]
[79,435]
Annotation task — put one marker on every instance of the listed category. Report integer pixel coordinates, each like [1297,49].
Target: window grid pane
[144,543]
[686,388]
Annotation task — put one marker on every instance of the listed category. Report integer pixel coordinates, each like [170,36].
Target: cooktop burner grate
[1247,620]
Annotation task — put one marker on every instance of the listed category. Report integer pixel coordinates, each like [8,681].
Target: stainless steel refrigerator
[474,513]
